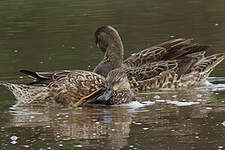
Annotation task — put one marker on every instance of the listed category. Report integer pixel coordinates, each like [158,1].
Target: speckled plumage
[173,64]
[173,74]
[183,55]
[176,63]
[66,89]
[164,74]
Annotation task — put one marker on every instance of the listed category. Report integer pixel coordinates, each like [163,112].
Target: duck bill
[106,95]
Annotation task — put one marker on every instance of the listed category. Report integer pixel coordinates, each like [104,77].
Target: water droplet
[156,96]
[78,145]
[26,146]
[209,108]
[137,123]
[13,142]
[13,138]
[160,101]
[199,95]
[220,146]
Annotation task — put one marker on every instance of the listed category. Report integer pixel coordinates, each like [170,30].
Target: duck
[122,84]
[67,87]
[71,89]
[108,40]
[176,63]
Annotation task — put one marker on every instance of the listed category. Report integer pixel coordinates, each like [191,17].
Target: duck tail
[11,87]
[6,84]
[23,93]
[207,64]
[32,74]
[39,78]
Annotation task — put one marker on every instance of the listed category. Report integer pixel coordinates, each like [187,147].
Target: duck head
[109,42]
[118,89]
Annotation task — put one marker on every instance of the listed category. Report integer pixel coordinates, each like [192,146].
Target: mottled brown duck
[174,64]
[68,89]
[122,83]
[186,52]
[110,43]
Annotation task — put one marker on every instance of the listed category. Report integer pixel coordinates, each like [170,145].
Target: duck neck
[114,54]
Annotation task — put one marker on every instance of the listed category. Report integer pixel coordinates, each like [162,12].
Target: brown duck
[173,64]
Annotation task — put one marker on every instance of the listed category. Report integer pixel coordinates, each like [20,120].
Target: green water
[53,35]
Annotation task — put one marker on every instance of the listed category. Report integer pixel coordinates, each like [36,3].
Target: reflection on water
[54,35]
[110,124]
[169,118]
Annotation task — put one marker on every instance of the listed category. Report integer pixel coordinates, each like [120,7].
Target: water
[54,35]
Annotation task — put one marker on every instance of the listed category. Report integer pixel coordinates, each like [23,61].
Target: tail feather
[6,84]
[201,70]
[186,63]
[32,74]
[24,93]
[208,63]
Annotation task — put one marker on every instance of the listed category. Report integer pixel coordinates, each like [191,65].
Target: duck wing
[149,71]
[191,71]
[170,50]
[207,63]
[76,86]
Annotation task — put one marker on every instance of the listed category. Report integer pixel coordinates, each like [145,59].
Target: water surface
[54,35]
